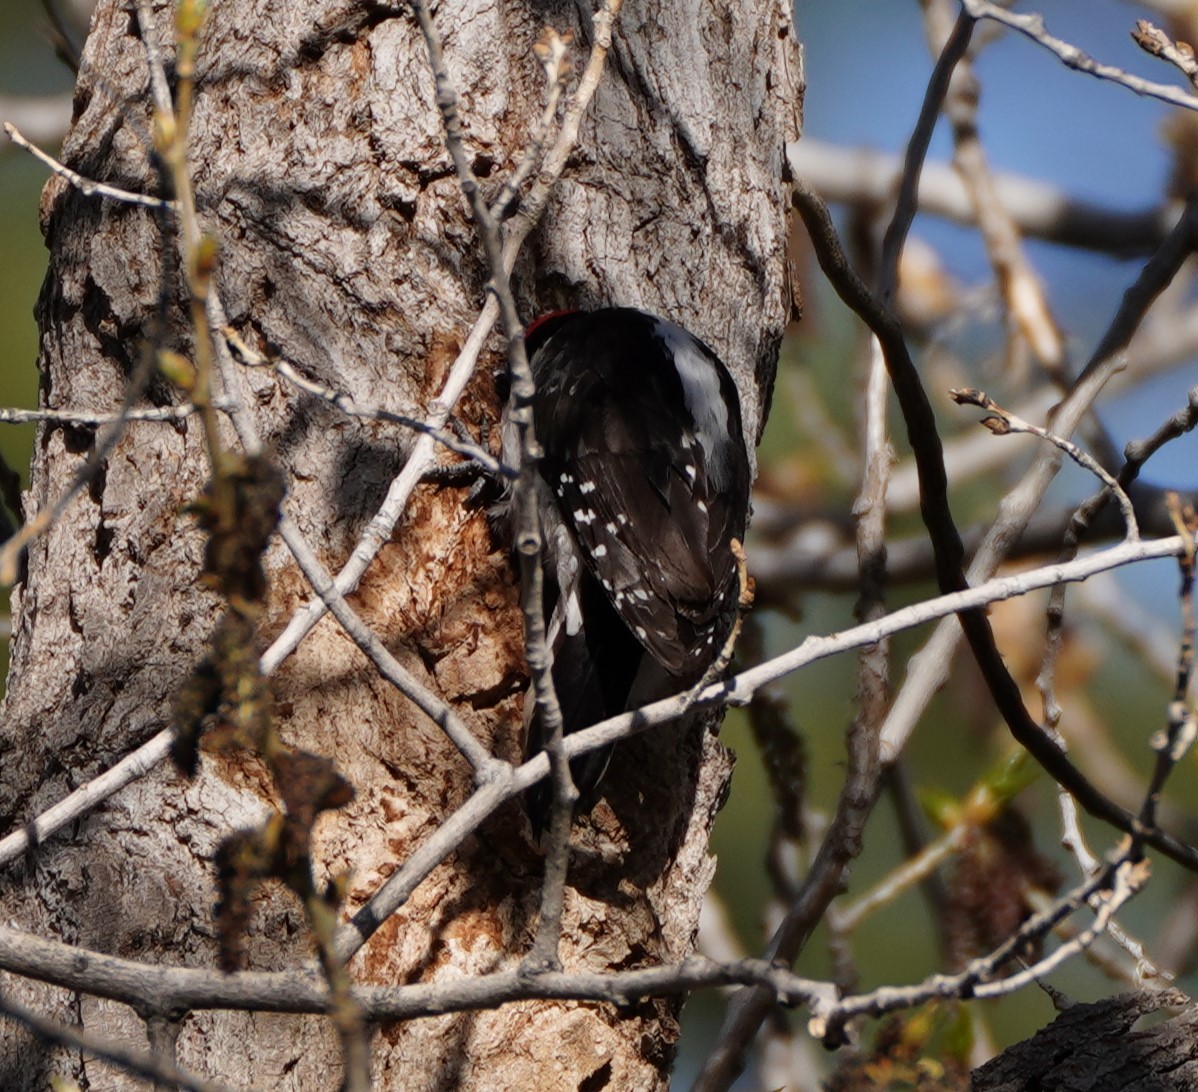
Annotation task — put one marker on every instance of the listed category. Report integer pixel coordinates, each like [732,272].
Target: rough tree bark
[345,245]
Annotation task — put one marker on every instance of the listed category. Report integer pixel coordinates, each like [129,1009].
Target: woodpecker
[641,488]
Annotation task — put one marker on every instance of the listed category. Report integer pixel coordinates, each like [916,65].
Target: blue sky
[867,67]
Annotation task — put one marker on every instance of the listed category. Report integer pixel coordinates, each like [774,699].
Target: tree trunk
[319,164]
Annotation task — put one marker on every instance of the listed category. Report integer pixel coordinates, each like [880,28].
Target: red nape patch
[540,321]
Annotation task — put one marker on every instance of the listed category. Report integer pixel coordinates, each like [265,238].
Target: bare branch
[917,150]
[866,177]
[353,407]
[91,795]
[552,50]
[1029,317]
[131,1062]
[1117,884]
[738,691]
[1181,728]
[1004,423]
[86,186]
[1154,41]
[164,989]
[1032,26]
[169,414]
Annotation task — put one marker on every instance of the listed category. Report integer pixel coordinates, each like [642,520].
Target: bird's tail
[593,672]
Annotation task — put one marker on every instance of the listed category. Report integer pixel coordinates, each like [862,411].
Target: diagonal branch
[1032,26]
[738,691]
[136,1064]
[925,443]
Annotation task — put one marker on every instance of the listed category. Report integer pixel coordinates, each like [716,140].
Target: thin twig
[1005,423]
[168,414]
[906,203]
[1172,744]
[136,1064]
[84,799]
[553,51]
[1138,452]
[1112,890]
[873,681]
[1142,969]
[843,841]
[86,186]
[898,880]
[1032,26]
[148,31]
[1155,42]
[1028,312]
[353,407]
[739,690]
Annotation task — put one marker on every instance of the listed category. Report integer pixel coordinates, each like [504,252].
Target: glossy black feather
[645,467]
[653,516]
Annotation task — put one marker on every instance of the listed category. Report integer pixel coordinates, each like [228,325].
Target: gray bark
[1097,1047]
[345,245]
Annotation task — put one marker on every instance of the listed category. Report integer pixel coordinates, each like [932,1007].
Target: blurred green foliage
[28,66]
